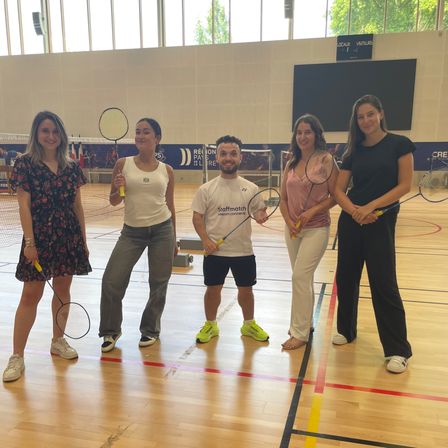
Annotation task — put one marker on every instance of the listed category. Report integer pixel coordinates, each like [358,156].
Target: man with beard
[218,207]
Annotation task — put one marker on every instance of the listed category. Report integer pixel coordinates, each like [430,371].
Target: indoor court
[233,391]
[202,70]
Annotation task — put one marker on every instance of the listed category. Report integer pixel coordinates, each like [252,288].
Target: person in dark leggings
[380,164]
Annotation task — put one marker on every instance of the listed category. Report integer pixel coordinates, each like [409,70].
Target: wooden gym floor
[233,391]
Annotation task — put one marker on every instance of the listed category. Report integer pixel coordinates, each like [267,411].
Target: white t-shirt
[223,202]
[145,201]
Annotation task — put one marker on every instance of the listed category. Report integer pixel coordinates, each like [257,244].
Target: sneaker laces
[64,343]
[206,327]
[256,327]
[13,362]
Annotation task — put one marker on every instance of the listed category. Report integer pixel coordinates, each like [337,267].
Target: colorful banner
[189,156]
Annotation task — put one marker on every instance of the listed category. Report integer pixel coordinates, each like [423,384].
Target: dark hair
[295,153]
[34,148]
[155,127]
[229,139]
[355,135]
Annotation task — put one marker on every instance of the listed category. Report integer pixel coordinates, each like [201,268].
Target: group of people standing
[378,164]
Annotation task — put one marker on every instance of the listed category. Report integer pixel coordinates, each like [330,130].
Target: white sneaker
[146,341]
[109,342]
[339,339]
[397,364]
[61,348]
[14,369]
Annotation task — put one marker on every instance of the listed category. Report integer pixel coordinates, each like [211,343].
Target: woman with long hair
[380,165]
[302,202]
[48,185]
[146,185]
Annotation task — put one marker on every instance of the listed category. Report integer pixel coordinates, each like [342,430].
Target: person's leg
[386,299]
[24,320]
[292,245]
[246,301]
[59,346]
[215,270]
[312,246]
[26,314]
[244,270]
[348,274]
[160,262]
[212,300]
[61,286]
[127,251]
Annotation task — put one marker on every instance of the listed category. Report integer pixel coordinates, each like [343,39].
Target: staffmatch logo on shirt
[232,211]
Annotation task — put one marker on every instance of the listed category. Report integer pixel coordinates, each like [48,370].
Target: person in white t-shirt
[146,186]
[218,207]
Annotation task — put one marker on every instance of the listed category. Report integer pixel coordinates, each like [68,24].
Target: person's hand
[30,253]
[361,213]
[293,228]
[119,181]
[370,218]
[304,218]
[209,246]
[261,216]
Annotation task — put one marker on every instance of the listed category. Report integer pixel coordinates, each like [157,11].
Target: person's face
[145,137]
[305,137]
[228,157]
[369,119]
[48,135]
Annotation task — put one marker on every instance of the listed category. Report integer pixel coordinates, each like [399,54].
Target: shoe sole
[255,338]
[208,340]
[339,341]
[148,343]
[109,348]
[15,378]
[396,371]
[62,356]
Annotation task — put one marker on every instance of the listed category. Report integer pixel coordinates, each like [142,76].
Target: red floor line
[260,376]
[437,230]
[279,378]
[202,369]
[388,392]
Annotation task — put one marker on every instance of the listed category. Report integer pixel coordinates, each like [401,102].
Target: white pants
[305,253]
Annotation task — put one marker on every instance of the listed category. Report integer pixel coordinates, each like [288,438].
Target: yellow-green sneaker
[254,331]
[209,330]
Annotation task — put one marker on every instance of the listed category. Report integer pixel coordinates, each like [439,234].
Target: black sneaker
[146,341]
[109,342]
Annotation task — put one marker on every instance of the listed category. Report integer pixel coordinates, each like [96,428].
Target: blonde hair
[34,148]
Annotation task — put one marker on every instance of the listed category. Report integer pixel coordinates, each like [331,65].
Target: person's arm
[117,181]
[169,197]
[79,212]
[24,199]
[405,172]
[340,192]
[284,205]
[199,225]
